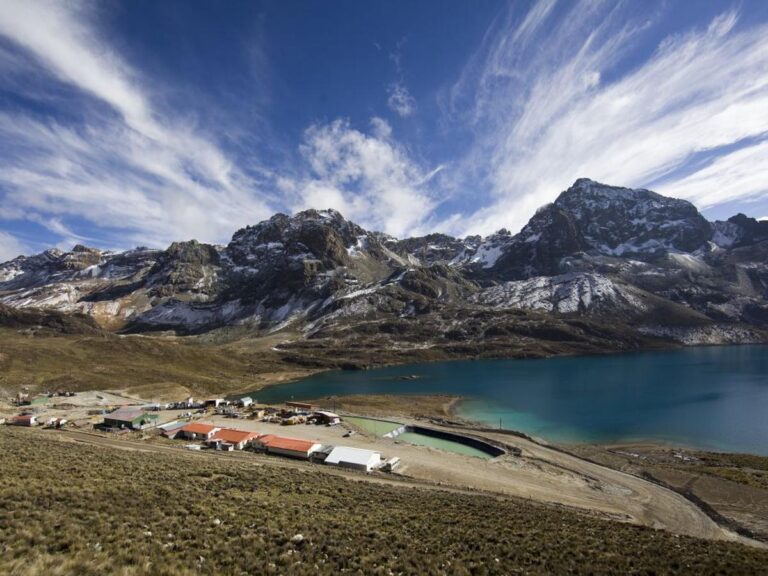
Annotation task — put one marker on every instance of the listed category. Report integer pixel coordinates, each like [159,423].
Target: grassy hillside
[45,361]
[77,509]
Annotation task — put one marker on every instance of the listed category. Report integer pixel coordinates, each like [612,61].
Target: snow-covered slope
[597,219]
[596,251]
[565,294]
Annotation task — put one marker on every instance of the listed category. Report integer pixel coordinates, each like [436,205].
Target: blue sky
[143,122]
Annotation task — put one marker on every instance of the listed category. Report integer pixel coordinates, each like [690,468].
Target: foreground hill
[600,269]
[78,509]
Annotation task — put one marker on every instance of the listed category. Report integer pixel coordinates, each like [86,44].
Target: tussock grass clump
[68,508]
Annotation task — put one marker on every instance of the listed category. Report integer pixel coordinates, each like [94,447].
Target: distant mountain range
[602,267]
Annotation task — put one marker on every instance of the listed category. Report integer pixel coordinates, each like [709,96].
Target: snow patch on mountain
[705,335]
[564,294]
[487,256]
[725,234]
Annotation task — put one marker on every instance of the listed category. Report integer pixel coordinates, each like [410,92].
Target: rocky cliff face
[602,220]
[649,264]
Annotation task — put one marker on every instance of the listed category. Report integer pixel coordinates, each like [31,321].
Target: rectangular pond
[425,437]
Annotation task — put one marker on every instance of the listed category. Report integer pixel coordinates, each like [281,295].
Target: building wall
[289,453]
[116,423]
[31,422]
[367,467]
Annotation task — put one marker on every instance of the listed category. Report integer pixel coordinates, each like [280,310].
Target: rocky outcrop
[615,256]
[601,220]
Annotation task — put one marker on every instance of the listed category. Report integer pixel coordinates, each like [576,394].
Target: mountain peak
[602,220]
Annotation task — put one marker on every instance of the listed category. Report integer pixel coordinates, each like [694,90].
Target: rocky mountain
[600,267]
[594,219]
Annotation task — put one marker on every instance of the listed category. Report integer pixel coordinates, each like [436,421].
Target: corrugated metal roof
[199,428]
[168,426]
[352,456]
[283,443]
[126,414]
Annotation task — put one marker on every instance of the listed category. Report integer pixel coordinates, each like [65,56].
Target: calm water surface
[713,397]
[382,427]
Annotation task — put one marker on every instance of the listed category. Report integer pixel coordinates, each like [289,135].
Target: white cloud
[552,103]
[132,167]
[738,175]
[10,247]
[400,100]
[370,178]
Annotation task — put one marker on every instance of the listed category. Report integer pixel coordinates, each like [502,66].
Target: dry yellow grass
[79,509]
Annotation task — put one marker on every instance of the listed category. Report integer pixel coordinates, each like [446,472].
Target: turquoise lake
[709,397]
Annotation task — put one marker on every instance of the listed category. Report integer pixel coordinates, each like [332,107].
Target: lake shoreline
[657,346]
[684,387]
[729,479]
[670,466]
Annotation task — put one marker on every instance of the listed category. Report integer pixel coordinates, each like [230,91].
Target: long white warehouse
[355,458]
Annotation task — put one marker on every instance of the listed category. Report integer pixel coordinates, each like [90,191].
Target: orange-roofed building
[199,431]
[237,438]
[292,447]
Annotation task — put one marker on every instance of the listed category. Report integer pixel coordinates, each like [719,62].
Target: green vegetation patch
[747,469]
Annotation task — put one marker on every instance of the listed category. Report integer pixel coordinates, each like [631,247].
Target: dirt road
[541,474]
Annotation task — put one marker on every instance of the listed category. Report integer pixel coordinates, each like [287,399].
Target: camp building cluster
[201,435]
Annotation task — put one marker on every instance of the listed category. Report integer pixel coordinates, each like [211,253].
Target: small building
[391,464]
[327,418]
[245,401]
[55,422]
[302,406]
[354,458]
[321,453]
[24,420]
[239,439]
[215,402]
[291,447]
[217,444]
[199,431]
[172,430]
[128,417]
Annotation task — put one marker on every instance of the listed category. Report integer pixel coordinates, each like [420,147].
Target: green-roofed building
[133,418]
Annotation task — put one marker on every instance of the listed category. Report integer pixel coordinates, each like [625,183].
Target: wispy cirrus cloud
[93,150]
[147,173]
[550,97]
[399,98]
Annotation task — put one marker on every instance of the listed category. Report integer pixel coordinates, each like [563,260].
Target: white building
[354,458]
[245,401]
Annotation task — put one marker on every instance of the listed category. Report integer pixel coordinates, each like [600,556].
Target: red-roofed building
[237,438]
[291,447]
[199,431]
[24,420]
